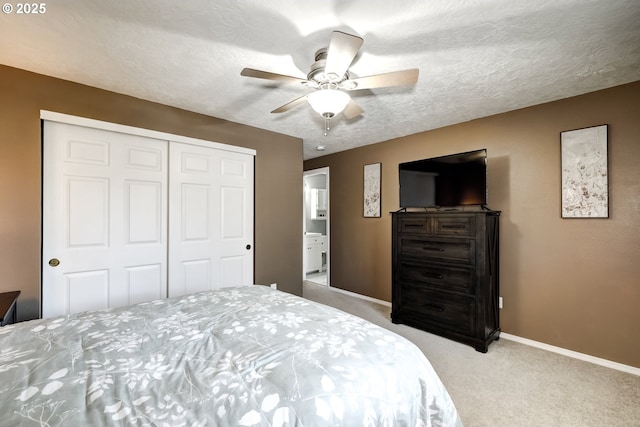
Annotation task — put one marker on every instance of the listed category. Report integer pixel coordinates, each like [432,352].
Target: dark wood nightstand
[8,307]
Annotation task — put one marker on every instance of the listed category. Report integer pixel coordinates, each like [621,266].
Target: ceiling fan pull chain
[326,125]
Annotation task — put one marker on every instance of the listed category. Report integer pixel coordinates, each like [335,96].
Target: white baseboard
[364,297]
[570,353]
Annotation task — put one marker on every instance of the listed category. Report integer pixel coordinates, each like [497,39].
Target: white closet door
[211,218]
[104,219]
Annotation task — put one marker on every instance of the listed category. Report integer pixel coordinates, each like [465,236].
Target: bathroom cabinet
[315,246]
[318,203]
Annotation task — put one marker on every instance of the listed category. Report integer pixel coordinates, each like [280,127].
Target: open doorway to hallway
[316,229]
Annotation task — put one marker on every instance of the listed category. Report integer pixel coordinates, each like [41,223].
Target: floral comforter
[249,356]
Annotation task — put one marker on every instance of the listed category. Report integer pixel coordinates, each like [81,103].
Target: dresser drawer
[435,276]
[455,226]
[320,240]
[460,250]
[447,311]
[420,225]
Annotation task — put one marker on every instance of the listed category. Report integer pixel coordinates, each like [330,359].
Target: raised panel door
[104,219]
[211,211]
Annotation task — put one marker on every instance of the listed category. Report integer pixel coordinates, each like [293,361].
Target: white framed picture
[372,193]
[585,177]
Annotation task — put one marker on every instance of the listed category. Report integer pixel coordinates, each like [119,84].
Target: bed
[245,356]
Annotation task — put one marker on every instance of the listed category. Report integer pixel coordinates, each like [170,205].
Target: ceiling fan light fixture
[330,76]
[328,102]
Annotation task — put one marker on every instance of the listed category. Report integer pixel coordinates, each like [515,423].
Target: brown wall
[572,283]
[278,175]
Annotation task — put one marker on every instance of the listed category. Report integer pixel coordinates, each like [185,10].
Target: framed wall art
[585,192]
[372,205]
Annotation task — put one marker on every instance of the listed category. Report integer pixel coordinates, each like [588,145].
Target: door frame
[312,172]
[131,130]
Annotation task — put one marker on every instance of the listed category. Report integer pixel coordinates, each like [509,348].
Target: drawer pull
[434,307]
[413,225]
[454,226]
[430,248]
[433,275]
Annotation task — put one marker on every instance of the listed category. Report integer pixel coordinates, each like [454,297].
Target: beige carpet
[513,384]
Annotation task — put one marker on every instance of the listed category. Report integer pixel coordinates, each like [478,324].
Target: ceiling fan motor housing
[318,74]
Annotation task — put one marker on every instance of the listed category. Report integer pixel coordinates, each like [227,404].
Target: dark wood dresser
[445,274]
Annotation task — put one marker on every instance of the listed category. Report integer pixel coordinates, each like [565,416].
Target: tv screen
[455,180]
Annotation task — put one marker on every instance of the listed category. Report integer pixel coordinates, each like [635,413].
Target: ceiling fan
[329,76]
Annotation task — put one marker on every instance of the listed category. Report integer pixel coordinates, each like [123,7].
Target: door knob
[54,262]
[248,247]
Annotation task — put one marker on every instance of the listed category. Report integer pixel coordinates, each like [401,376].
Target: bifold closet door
[211,218]
[104,240]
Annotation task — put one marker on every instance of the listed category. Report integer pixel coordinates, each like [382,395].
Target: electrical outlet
[499,302]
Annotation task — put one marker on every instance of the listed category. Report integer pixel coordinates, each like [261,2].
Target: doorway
[316,228]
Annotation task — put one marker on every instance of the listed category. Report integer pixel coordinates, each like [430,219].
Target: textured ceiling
[476,58]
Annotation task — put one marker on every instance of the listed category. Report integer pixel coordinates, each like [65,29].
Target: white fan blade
[343,48]
[250,72]
[394,78]
[352,110]
[289,105]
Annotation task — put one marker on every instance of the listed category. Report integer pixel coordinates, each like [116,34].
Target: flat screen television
[448,181]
